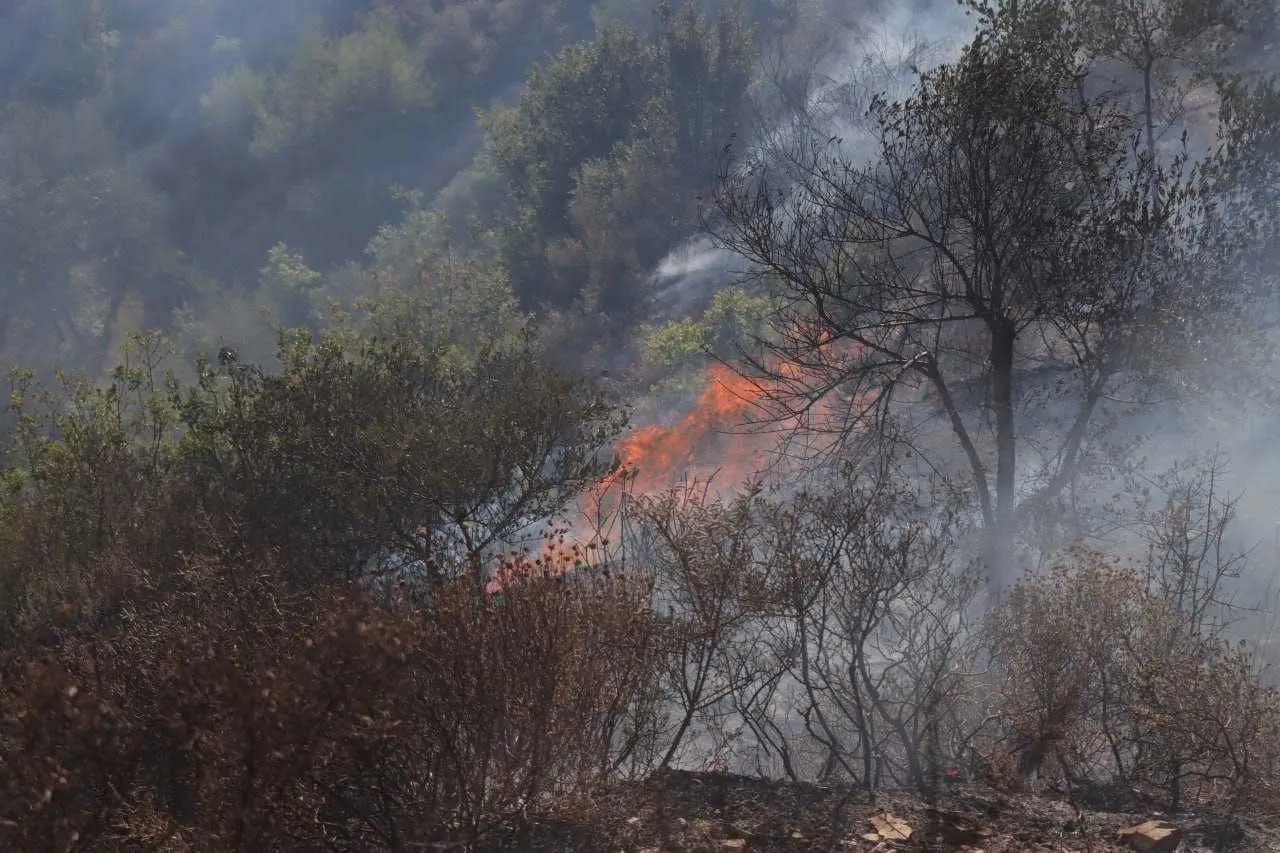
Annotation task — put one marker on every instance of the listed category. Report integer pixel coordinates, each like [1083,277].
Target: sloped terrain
[705,813]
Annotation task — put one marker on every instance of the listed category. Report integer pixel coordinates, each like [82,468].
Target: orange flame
[653,457]
[708,438]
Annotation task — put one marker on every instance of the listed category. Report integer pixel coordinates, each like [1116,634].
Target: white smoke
[882,53]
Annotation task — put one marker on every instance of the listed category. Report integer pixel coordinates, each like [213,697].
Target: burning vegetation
[712,438]
[735,428]
[196,656]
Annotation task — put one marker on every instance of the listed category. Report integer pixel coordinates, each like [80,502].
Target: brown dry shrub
[241,716]
[1103,680]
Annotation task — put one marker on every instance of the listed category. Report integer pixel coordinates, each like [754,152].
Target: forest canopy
[153,154]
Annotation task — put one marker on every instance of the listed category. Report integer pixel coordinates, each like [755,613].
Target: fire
[709,438]
[653,457]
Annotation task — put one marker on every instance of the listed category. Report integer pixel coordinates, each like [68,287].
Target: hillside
[407,526]
[678,812]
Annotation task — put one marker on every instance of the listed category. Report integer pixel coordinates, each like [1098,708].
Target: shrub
[236,714]
[1103,679]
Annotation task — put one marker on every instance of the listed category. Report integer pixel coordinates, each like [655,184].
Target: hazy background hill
[153,152]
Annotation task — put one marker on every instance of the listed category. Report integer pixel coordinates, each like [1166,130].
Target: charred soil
[682,812]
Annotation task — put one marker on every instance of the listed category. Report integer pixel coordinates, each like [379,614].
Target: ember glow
[558,558]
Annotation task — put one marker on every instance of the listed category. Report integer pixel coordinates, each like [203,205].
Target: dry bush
[243,716]
[1103,680]
[1208,729]
[188,664]
[701,553]
[1066,646]
[89,493]
[819,635]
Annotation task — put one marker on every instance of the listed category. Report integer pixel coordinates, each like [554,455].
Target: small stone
[890,827]
[1153,836]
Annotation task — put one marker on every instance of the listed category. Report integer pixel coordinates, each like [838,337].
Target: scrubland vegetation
[430,572]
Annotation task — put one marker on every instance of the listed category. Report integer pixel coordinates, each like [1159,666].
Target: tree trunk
[1000,537]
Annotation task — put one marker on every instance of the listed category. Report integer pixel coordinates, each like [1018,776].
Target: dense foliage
[152,154]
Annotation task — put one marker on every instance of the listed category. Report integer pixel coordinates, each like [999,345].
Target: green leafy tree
[733,320]
[78,229]
[55,54]
[608,147]
[329,80]
[86,473]
[361,450]
[574,110]
[706,70]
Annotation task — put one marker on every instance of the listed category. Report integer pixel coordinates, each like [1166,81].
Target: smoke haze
[189,141]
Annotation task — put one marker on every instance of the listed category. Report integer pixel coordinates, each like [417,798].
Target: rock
[889,827]
[1153,836]
[730,844]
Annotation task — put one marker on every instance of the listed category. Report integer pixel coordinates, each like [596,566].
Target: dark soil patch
[679,812]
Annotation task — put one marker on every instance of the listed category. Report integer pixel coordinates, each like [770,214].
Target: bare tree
[700,554]
[1008,261]
[868,621]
